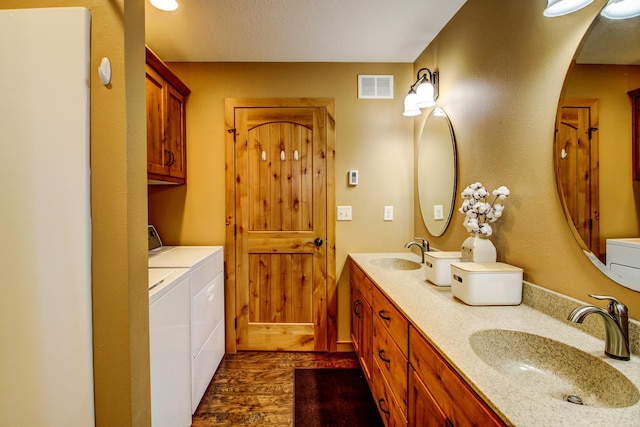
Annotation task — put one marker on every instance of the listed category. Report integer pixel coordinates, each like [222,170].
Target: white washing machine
[205,264]
[170,346]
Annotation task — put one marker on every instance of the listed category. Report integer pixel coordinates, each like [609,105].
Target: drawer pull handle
[386,411]
[357,304]
[383,315]
[381,355]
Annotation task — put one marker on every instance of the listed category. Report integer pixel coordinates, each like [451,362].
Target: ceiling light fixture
[166,5]
[563,7]
[621,9]
[423,93]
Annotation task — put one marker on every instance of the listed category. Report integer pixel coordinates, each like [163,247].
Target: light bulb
[166,5]
[563,7]
[410,108]
[621,9]
[425,93]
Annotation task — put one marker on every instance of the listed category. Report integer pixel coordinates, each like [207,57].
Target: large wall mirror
[437,172]
[593,148]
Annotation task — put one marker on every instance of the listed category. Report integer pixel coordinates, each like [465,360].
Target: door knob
[318,241]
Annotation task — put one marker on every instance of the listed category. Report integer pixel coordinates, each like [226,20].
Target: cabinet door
[356,319]
[361,330]
[453,395]
[175,133]
[155,93]
[366,339]
[423,409]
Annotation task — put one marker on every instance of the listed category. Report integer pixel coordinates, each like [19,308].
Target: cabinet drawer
[459,403]
[360,281]
[392,363]
[391,413]
[391,319]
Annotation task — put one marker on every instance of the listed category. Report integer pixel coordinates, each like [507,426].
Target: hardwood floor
[256,388]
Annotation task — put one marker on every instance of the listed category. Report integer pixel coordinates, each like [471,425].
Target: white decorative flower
[478,211]
[501,192]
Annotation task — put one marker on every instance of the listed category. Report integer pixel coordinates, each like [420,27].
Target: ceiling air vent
[375,86]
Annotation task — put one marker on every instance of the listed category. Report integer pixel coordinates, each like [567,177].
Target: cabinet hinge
[235,229]
[235,323]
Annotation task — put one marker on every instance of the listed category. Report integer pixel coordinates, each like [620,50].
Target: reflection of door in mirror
[576,159]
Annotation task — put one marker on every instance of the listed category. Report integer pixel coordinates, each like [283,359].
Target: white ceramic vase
[477,248]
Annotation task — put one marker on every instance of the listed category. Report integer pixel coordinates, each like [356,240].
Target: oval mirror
[437,172]
[593,148]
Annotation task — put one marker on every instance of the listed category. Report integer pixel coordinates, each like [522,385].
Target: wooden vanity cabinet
[166,96]
[439,396]
[361,318]
[411,383]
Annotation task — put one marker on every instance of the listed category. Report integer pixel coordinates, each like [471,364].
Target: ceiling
[296,30]
[611,41]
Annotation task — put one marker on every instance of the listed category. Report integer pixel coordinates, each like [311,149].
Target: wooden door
[281,250]
[576,160]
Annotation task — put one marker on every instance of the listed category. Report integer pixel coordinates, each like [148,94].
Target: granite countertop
[448,323]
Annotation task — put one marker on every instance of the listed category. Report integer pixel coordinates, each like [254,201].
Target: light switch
[388,213]
[344,213]
[438,212]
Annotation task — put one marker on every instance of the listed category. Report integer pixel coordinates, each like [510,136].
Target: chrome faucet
[616,325]
[424,246]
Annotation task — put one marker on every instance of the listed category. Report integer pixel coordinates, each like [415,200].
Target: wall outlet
[388,213]
[344,213]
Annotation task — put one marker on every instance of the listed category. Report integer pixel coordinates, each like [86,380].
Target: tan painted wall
[619,193]
[118,183]
[502,66]
[371,136]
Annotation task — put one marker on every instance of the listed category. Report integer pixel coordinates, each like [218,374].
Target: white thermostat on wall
[353,177]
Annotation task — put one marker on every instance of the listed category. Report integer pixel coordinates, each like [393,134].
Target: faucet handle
[425,243]
[615,308]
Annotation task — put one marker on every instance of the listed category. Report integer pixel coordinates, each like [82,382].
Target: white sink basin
[554,368]
[396,263]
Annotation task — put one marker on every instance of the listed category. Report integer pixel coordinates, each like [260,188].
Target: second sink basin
[395,263]
[554,368]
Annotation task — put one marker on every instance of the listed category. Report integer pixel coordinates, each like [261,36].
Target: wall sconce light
[621,9]
[423,93]
[563,7]
[166,5]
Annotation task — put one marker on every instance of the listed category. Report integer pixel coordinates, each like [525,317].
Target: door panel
[576,159]
[281,284]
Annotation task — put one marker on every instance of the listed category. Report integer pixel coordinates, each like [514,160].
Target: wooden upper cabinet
[166,123]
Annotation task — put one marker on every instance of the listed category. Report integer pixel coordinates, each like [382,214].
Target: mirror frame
[436,227]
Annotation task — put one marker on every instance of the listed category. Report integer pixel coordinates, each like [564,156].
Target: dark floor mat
[333,398]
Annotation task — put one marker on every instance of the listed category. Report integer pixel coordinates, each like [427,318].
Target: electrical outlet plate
[388,213]
[438,212]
